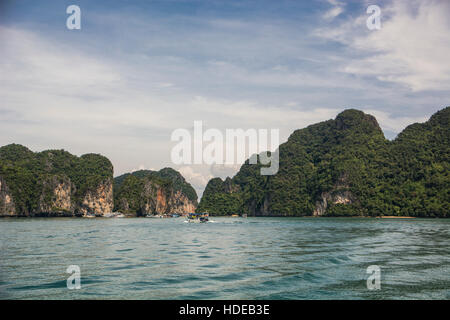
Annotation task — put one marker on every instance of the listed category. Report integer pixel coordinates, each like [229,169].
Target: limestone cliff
[340,194]
[149,193]
[59,198]
[314,159]
[165,201]
[98,200]
[179,203]
[7,206]
[334,197]
[53,183]
[56,196]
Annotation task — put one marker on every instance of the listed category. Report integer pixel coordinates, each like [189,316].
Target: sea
[226,258]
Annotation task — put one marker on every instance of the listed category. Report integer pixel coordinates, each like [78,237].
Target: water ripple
[233,258]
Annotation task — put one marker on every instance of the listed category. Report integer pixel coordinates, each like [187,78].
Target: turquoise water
[231,258]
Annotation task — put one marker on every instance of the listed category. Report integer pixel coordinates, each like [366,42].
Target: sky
[138,70]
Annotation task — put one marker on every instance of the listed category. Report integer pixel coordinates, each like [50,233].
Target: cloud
[411,48]
[32,63]
[142,167]
[338,8]
[225,170]
[247,114]
[388,122]
[120,89]
[198,179]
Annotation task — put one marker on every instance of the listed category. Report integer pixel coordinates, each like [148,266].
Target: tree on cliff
[348,163]
[27,173]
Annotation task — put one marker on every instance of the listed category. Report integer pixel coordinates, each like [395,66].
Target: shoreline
[308,217]
[396,217]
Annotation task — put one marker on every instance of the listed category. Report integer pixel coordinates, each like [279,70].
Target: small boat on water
[160,216]
[235,215]
[114,215]
[89,215]
[197,217]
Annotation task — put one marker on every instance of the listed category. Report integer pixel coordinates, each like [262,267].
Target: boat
[114,215]
[175,215]
[89,215]
[197,217]
[234,215]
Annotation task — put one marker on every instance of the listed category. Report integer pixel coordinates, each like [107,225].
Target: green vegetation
[219,199]
[178,182]
[26,174]
[129,189]
[166,177]
[408,176]
[131,193]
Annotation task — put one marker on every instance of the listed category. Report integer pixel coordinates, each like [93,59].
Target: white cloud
[411,48]
[225,170]
[32,63]
[338,8]
[198,179]
[230,73]
[396,124]
[253,115]
[333,13]
[142,167]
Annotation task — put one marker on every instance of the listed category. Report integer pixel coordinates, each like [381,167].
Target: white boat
[114,215]
[197,217]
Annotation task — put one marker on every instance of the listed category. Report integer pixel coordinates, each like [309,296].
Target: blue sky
[137,70]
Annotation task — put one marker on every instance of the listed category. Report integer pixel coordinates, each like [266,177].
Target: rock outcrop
[345,167]
[150,193]
[165,201]
[179,203]
[334,197]
[54,183]
[7,206]
[56,197]
[98,200]
[340,194]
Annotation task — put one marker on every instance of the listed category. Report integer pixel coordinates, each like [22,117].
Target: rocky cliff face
[148,193]
[7,206]
[56,197]
[166,202]
[345,167]
[262,209]
[53,183]
[179,203]
[318,166]
[340,194]
[98,200]
[334,197]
